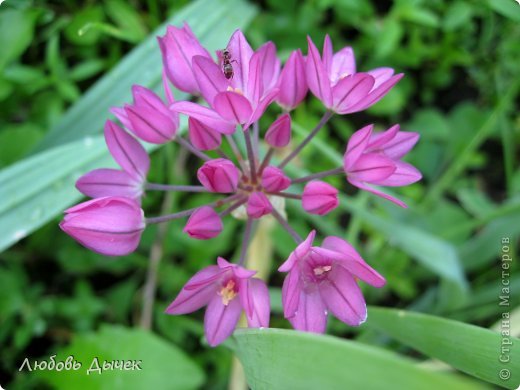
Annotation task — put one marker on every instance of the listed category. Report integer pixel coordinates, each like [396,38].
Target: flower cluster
[235,89]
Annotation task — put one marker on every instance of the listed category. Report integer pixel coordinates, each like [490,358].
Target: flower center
[228,292]
[321,270]
[236,90]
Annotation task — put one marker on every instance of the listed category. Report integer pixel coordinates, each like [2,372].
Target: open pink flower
[333,79]
[227,290]
[376,159]
[148,117]
[130,155]
[241,99]
[178,47]
[111,226]
[322,280]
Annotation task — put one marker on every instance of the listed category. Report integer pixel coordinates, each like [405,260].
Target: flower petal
[209,77]
[353,262]
[240,52]
[233,107]
[350,91]
[328,52]
[343,64]
[220,320]
[262,106]
[375,95]
[310,315]
[205,115]
[404,174]
[317,76]
[202,288]
[259,301]
[372,167]
[299,253]
[127,151]
[381,75]
[378,141]
[343,298]
[203,137]
[109,182]
[293,82]
[291,288]
[401,144]
[356,146]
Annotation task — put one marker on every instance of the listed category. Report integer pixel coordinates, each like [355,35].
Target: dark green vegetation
[441,256]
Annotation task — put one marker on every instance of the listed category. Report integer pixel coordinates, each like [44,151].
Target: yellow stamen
[228,292]
[236,90]
[318,271]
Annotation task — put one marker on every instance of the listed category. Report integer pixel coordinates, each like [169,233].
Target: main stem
[177,188]
[324,119]
[192,149]
[250,156]
[246,240]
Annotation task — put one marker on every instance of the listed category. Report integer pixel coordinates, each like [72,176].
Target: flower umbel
[247,179]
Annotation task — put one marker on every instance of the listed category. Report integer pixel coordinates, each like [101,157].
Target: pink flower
[178,48]
[274,179]
[319,198]
[243,98]
[279,133]
[148,118]
[130,156]
[111,226]
[322,280]
[376,159]
[219,175]
[258,205]
[333,79]
[292,83]
[227,290]
[204,224]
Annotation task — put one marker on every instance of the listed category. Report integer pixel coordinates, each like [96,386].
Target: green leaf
[284,359]
[127,18]
[508,8]
[468,348]
[163,366]
[35,190]
[16,33]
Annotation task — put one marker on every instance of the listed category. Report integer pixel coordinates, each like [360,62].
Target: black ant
[227,68]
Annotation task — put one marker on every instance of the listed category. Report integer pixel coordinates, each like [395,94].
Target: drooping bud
[274,180]
[111,226]
[279,133]
[219,175]
[203,224]
[258,205]
[319,198]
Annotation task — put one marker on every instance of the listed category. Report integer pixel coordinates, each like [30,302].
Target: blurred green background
[441,256]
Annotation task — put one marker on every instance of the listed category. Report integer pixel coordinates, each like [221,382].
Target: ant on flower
[227,68]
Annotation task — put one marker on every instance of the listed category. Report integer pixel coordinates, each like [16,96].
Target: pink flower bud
[178,48]
[258,205]
[319,198]
[279,133]
[274,180]
[111,226]
[219,175]
[293,82]
[203,224]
